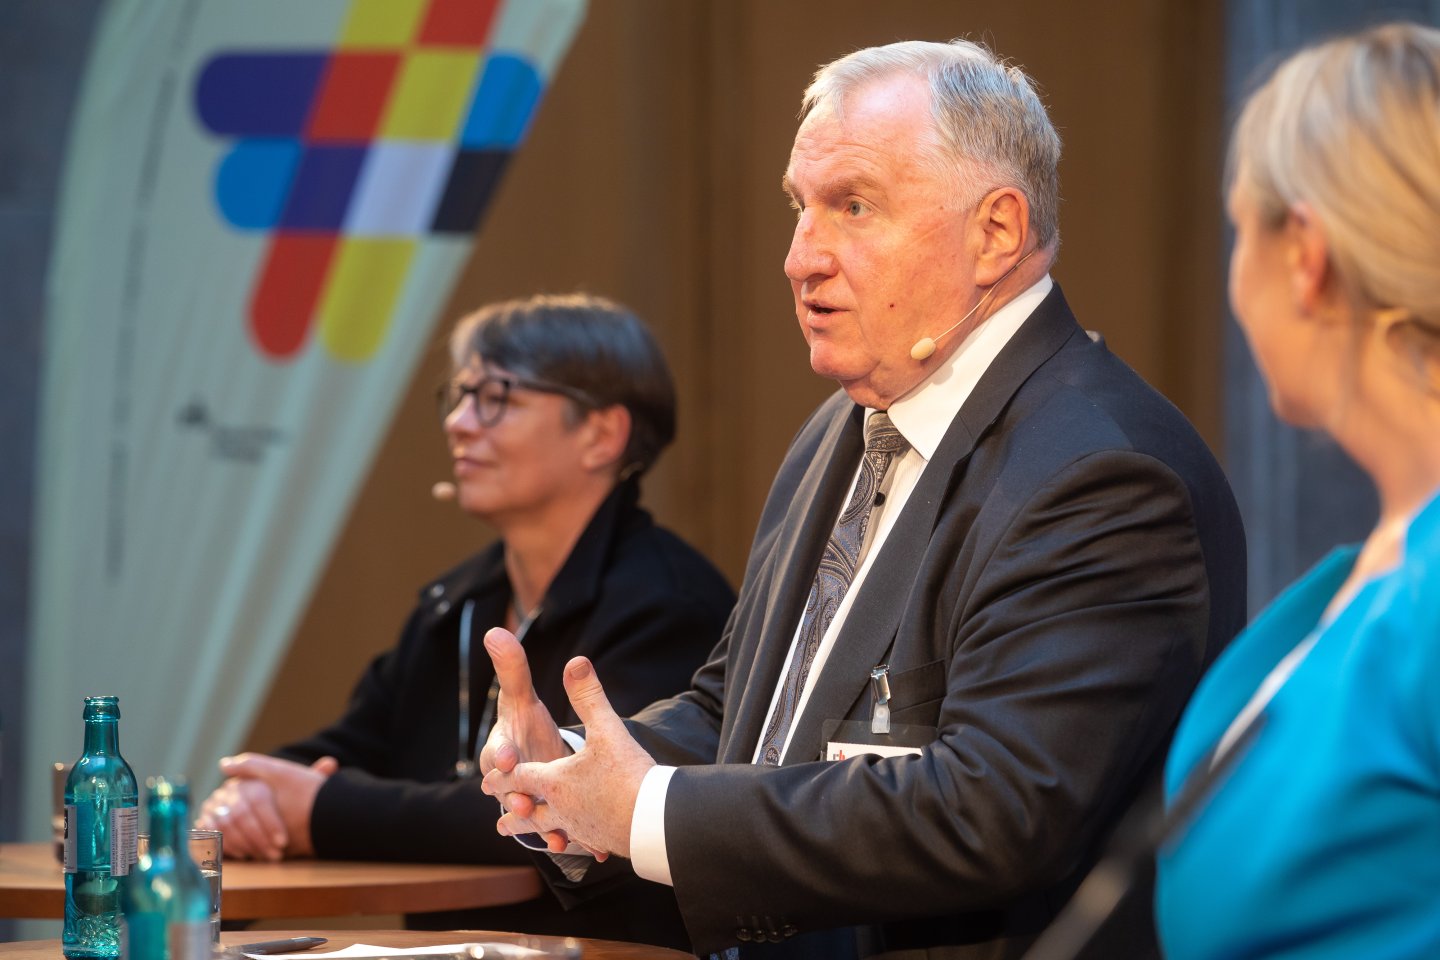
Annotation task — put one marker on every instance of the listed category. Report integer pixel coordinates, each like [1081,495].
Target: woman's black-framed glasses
[491,396]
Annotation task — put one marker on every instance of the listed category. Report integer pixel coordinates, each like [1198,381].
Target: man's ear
[1307,258]
[608,434]
[1003,220]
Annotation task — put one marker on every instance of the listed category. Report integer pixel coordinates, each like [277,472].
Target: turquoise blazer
[1324,839]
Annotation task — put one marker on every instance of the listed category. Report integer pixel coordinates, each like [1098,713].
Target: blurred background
[649,172]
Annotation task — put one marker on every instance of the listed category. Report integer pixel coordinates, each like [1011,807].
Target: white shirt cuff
[576,742]
[647,827]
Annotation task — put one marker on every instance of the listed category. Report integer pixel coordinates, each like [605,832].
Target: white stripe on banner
[264,206]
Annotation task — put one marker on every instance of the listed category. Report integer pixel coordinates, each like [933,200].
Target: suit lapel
[815,504]
[873,621]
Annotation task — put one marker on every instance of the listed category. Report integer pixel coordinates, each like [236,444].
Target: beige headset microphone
[444,491]
[925,346]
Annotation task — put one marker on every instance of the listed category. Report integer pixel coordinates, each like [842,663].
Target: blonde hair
[1351,129]
[990,125]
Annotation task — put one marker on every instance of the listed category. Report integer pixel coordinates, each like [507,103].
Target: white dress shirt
[922,416]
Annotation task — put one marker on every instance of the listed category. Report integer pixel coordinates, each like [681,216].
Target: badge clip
[880,716]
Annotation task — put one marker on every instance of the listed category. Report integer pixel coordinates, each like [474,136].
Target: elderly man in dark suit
[989,573]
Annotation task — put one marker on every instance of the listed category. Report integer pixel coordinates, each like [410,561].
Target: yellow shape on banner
[382,23]
[365,284]
[431,95]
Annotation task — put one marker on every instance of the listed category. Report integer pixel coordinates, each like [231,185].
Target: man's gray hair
[991,128]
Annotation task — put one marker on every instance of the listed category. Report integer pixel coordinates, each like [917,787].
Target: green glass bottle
[166,899]
[101,815]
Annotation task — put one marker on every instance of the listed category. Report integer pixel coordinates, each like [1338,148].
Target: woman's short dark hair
[590,344]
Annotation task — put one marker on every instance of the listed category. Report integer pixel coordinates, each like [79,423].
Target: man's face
[880,256]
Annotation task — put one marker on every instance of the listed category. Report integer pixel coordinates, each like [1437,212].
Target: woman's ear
[608,436]
[1312,281]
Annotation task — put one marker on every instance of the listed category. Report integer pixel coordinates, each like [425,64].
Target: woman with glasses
[1323,839]
[556,407]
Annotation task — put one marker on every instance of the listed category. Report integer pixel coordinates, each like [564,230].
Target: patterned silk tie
[837,568]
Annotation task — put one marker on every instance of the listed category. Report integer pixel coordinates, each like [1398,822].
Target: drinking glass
[206,849]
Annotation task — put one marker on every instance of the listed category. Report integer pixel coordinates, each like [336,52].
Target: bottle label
[189,941]
[72,831]
[124,834]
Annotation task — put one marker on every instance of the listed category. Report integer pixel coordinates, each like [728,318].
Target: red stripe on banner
[291,282]
[464,23]
[353,96]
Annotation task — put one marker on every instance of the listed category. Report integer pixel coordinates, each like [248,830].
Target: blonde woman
[1324,840]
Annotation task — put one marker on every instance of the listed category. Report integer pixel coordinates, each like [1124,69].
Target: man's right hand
[524,729]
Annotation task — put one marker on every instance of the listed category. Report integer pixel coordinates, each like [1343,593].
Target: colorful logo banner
[348,157]
[264,207]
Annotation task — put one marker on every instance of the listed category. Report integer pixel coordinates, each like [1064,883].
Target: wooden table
[32,886]
[590,949]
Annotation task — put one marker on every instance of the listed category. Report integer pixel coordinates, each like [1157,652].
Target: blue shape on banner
[259,94]
[323,186]
[503,105]
[254,181]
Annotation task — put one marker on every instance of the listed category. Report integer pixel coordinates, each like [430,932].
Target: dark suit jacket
[642,604]
[1067,565]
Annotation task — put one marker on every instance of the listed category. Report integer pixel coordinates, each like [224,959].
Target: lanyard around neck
[466,764]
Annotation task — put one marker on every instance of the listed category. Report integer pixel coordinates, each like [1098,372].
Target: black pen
[293,945]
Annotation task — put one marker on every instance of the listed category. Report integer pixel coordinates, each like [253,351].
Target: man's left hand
[589,797]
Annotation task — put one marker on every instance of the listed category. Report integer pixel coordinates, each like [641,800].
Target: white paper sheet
[492,951]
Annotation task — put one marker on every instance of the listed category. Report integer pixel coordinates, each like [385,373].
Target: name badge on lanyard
[853,738]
